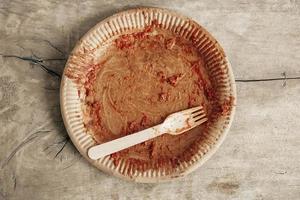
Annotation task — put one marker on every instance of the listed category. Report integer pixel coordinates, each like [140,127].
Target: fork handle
[119,144]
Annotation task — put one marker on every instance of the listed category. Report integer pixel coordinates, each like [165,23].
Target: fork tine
[200,109]
[191,110]
[198,117]
[201,121]
[196,113]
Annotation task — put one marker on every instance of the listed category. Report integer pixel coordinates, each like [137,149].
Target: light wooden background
[259,160]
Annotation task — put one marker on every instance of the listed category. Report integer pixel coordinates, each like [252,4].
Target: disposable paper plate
[93,44]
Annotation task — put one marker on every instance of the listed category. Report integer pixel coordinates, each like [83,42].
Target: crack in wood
[35,61]
[66,140]
[27,140]
[54,144]
[283,78]
[54,47]
[62,145]
[267,79]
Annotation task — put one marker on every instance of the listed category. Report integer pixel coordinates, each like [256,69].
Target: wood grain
[258,160]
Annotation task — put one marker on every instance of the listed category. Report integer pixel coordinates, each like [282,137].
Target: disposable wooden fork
[174,124]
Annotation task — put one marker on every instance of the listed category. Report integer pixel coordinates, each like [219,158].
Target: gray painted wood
[258,160]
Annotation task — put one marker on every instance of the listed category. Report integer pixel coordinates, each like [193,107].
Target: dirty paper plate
[131,21]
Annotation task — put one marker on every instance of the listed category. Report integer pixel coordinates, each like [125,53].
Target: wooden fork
[174,124]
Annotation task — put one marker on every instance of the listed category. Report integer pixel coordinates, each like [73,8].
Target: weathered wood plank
[258,160]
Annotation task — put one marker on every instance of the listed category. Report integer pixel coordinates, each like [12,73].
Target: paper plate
[93,44]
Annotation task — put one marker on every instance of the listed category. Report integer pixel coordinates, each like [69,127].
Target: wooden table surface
[260,158]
